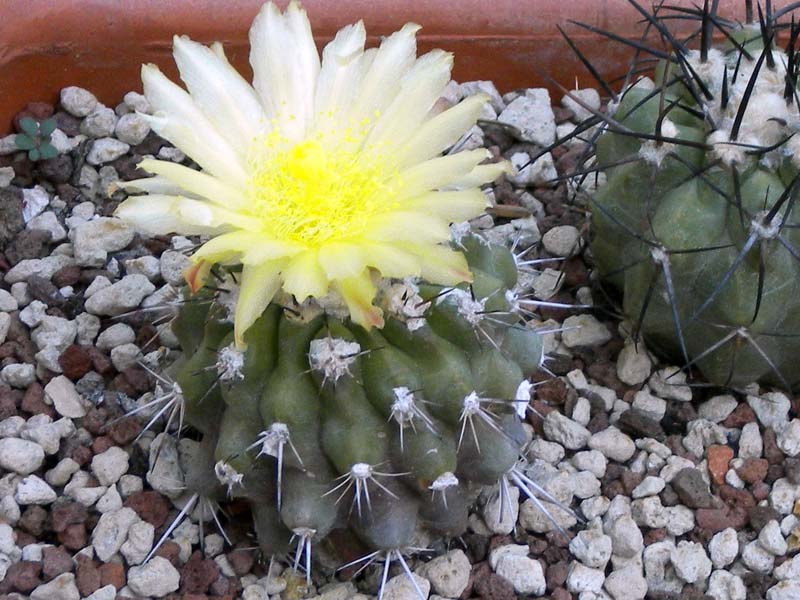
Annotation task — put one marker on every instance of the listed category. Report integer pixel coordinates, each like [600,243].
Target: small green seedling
[36,138]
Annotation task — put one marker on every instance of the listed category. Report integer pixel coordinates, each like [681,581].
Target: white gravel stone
[448,574]
[524,573]
[105,150]
[65,398]
[565,431]
[547,451]
[93,240]
[7,302]
[111,531]
[718,408]
[116,335]
[60,588]
[653,406]
[658,568]
[44,267]
[548,284]
[494,509]
[139,543]
[138,102]
[110,465]
[34,201]
[584,330]
[595,507]
[789,438]
[562,240]
[670,383]
[783,495]
[125,356]
[99,123]
[165,476]
[18,375]
[626,537]
[5,324]
[756,558]
[592,547]
[724,548]
[33,314]
[130,484]
[108,592]
[772,409]
[9,510]
[77,101]
[691,562]
[680,519]
[88,326]
[633,363]
[8,544]
[650,486]
[98,283]
[20,456]
[578,100]
[121,296]
[726,586]
[470,88]
[532,114]
[584,579]
[785,590]
[54,331]
[48,222]
[89,496]
[34,490]
[789,569]
[582,411]
[592,461]
[771,539]
[132,129]
[61,473]
[173,265]
[750,443]
[156,578]
[585,485]
[627,583]
[110,501]
[149,266]
[613,444]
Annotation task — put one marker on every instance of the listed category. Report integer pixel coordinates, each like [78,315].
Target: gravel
[685,490]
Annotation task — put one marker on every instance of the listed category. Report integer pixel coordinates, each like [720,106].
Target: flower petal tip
[196,274]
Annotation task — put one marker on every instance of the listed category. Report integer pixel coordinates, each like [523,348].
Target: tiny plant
[35,138]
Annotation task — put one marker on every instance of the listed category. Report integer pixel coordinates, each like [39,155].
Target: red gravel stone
[63,515]
[171,551]
[112,574]
[33,401]
[73,537]
[100,362]
[198,574]
[740,416]
[771,451]
[55,561]
[87,578]
[75,362]
[713,520]
[124,431]
[753,470]
[718,459]
[69,275]
[22,576]
[561,594]
[150,506]
[10,399]
[33,519]
[241,560]
[82,455]
[101,444]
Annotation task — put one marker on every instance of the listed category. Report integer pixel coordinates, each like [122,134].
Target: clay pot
[100,44]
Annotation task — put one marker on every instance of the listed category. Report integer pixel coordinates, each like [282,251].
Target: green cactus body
[694,222]
[324,425]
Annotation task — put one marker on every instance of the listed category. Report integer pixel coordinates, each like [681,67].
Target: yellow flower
[322,174]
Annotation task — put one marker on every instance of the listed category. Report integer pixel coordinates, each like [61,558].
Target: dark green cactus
[695,222]
[324,425]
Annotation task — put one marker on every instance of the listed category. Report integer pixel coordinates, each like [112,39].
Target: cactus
[694,222]
[322,424]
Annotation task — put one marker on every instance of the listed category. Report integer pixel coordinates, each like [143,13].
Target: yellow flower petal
[197,274]
[154,215]
[407,225]
[178,119]
[454,207]
[440,172]
[151,185]
[381,80]
[341,260]
[358,293]
[421,87]
[482,174]
[392,261]
[257,286]
[195,182]
[441,265]
[442,131]
[304,276]
[340,72]
[226,99]
[246,246]
[285,66]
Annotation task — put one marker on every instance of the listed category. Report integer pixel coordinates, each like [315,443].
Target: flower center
[311,194]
